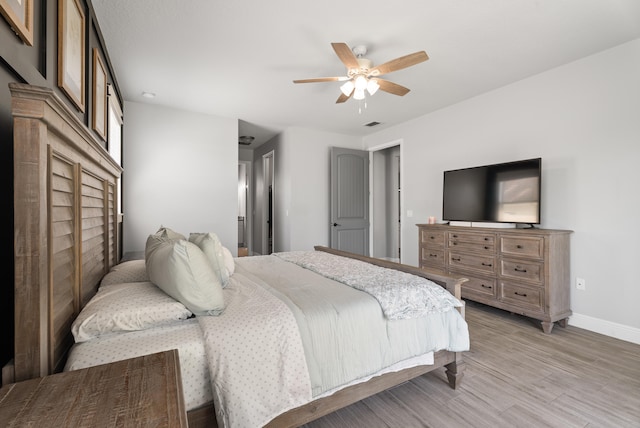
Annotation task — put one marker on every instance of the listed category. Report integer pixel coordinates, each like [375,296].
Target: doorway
[244,208]
[268,203]
[386,202]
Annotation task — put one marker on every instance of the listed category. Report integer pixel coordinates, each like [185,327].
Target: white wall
[301,195]
[583,119]
[181,171]
[308,157]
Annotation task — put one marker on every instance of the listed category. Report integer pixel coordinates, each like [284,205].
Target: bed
[66,232]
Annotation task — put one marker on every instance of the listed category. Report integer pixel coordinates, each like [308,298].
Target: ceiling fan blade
[342,98]
[346,55]
[322,79]
[392,88]
[399,63]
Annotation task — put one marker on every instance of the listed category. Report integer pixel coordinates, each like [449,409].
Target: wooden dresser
[524,271]
[139,392]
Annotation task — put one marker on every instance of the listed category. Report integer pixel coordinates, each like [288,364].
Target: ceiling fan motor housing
[365,65]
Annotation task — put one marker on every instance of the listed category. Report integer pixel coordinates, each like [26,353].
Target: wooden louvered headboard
[65,226]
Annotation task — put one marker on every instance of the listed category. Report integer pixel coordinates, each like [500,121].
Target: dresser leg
[563,322]
[547,326]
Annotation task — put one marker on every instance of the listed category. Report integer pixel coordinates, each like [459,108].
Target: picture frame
[19,14]
[71,51]
[99,96]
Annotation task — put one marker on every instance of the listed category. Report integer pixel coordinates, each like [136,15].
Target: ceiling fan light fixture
[347,88]
[372,86]
[362,77]
[361,83]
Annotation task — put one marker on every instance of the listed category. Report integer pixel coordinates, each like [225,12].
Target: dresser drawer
[432,237]
[530,246]
[526,297]
[432,257]
[472,238]
[524,270]
[483,286]
[472,261]
[480,247]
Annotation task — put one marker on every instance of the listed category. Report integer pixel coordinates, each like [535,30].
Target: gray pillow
[183,271]
[163,234]
[212,248]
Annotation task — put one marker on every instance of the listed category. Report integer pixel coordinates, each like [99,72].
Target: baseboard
[608,328]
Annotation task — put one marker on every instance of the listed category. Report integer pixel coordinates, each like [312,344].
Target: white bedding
[344,331]
[251,386]
[257,366]
[185,336]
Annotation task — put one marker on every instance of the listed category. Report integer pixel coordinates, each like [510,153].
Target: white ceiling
[238,58]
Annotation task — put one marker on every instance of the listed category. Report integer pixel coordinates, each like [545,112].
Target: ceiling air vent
[372,124]
[245,140]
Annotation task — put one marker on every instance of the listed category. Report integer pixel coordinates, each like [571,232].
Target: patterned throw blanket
[400,294]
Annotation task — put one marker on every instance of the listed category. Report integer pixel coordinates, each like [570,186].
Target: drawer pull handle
[520,294]
[486,239]
[519,246]
[433,255]
[486,286]
[455,259]
[455,236]
[454,243]
[432,237]
[486,264]
[520,270]
[486,248]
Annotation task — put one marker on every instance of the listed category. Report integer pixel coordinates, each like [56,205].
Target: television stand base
[460,223]
[494,225]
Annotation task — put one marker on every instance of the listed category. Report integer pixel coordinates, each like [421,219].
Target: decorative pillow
[182,271]
[168,233]
[228,261]
[212,248]
[130,271]
[126,307]
[163,234]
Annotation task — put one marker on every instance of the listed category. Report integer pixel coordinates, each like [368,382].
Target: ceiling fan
[362,76]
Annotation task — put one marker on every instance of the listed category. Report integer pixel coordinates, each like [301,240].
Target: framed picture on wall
[19,14]
[71,50]
[99,96]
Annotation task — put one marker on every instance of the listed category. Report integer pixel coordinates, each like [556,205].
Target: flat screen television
[500,193]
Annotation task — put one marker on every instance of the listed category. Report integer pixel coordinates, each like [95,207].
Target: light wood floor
[516,376]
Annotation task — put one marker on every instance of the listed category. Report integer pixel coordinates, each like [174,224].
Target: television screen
[500,193]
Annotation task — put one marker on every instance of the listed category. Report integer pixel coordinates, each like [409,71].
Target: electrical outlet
[581,284]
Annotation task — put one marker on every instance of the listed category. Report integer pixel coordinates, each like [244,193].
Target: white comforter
[400,294]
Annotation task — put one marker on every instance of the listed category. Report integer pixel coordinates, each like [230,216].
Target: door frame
[372,150]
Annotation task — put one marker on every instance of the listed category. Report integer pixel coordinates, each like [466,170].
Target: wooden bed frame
[66,239]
